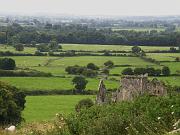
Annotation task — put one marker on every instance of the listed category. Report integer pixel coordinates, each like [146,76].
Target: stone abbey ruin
[131,87]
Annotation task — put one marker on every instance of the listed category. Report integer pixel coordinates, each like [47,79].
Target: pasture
[57,65]
[53,83]
[94,47]
[29,50]
[163,56]
[41,108]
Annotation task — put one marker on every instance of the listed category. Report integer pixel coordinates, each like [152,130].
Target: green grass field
[52,83]
[172,80]
[40,108]
[174,66]
[89,47]
[4,48]
[58,64]
[163,56]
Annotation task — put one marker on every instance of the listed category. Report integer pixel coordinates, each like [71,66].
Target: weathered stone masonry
[133,86]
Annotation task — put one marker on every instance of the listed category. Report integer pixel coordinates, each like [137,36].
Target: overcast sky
[92,7]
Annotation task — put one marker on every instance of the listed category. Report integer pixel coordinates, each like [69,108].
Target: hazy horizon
[92,7]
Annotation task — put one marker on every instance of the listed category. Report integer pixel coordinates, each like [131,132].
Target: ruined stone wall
[131,87]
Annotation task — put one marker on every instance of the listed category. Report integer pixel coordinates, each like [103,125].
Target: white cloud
[93,7]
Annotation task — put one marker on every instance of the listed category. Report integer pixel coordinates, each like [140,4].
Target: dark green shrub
[7,64]
[80,83]
[89,73]
[92,66]
[151,71]
[12,103]
[109,64]
[139,71]
[166,71]
[144,115]
[105,71]
[19,47]
[84,103]
[136,49]
[127,71]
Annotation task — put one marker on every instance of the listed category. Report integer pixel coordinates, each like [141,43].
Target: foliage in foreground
[12,103]
[145,115]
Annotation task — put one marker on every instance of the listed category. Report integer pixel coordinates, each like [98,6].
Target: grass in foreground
[40,108]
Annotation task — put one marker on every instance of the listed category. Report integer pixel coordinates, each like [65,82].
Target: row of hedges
[150,71]
[7,73]
[67,54]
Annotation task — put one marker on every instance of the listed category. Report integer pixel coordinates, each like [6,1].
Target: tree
[150,71]
[53,45]
[177,59]
[157,72]
[136,49]
[80,83]
[105,71]
[92,66]
[127,71]
[84,104]
[33,43]
[7,64]
[109,64]
[89,73]
[19,47]
[139,71]
[166,71]
[60,46]
[12,103]
[42,48]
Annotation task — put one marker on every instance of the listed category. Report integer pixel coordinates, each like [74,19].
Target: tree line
[85,35]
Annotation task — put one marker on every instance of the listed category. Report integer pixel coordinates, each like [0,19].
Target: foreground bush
[145,115]
[12,103]
[7,64]
[84,104]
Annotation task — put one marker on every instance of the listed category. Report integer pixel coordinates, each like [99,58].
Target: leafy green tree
[177,59]
[127,71]
[7,64]
[33,43]
[19,47]
[53,45]
[136,49]
[42,48]
[12,103]
[90,73]
[15,40]
[80,83]
[139,71]
[157,72]
[105,71]
[109,64]
[150,71]
[92,66]
[166,71]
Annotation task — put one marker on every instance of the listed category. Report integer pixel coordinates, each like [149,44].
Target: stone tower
[101,96]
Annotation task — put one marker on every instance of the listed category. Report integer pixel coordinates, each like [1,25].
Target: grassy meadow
[29,50]
[163,56]
[41,108]
[52,83]
[94,47]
